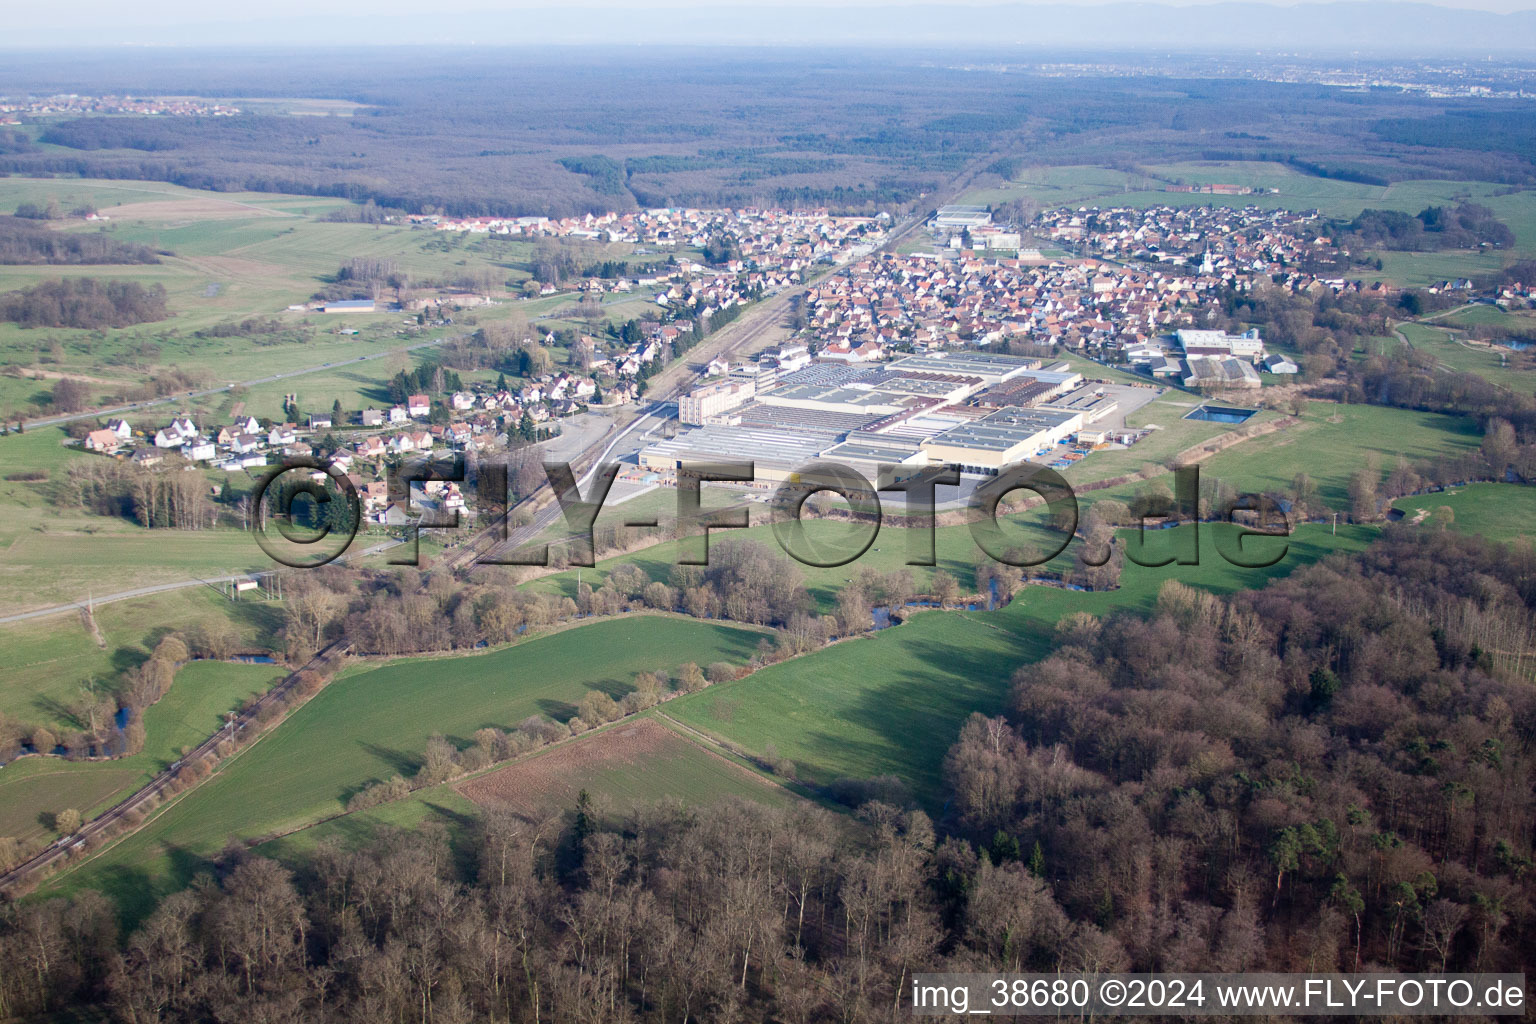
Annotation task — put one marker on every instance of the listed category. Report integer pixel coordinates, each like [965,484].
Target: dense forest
[1333,773]
[482,132]
[22,241]
[84,302]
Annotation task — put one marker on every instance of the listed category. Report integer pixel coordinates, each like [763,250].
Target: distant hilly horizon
[1366,27]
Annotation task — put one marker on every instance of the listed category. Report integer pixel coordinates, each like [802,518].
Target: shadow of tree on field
[400,762]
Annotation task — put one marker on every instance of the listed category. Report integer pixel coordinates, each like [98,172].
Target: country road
[116,410]
[96,826]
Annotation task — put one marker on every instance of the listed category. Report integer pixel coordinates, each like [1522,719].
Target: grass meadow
[1501,366]
[33,789]
[892,702]
[1331,441]
[1501,512]
[50,659]
[239,255]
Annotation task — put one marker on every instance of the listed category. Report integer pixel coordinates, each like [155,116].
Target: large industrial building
[954,218]
[1093,402]
[979,411]
[1001,438]
[1228,372]
[703,405]
[1220,344]
[774,454]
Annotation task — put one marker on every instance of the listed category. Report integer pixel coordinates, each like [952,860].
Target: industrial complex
[978,411]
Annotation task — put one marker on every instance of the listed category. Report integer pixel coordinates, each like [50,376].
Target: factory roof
[872,449]
[755,414]
[1089,400]
[744,444]
[986,365]
[1003,429]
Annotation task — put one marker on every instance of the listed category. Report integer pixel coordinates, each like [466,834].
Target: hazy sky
[1359,26]
[73,15]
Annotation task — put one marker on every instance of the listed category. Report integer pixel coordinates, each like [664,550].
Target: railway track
[62,848]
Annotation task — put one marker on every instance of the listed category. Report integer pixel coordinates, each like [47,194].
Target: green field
[50,658]
[890,703]
[1502,512]
[1482,315]
[1332,441]
[1426,269]
[439,804]
[240,255]
[894,701]
[1491,362]
[369,725]
[616,780]
[34,788]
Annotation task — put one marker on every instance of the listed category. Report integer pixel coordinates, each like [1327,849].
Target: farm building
[350,306]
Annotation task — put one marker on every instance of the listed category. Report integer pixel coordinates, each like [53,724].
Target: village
[914,359]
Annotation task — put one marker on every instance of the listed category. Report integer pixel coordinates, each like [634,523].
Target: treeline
[1414,380]
[1478,130]
[366,212]
[429,378]
[14,142]
[733,913]
[1357,175]
[260,330]
[152,498]
[1464,226]
[1324,328]
[411,611]
[605,173]
[84,302]
[1333,773]
[408,612]
[875,135]
[24,242]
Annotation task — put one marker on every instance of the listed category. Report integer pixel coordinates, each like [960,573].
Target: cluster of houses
[1142,316]
[69,103]
[479,421]
[766,239]
[1224,242]
[1130,297]
[768,249]
[243,444]
[936,301]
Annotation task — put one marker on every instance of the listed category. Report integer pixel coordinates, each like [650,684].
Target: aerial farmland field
[375,722]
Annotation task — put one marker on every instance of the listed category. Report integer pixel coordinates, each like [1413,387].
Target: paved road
[61,847]
[117,410]
[545,510]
